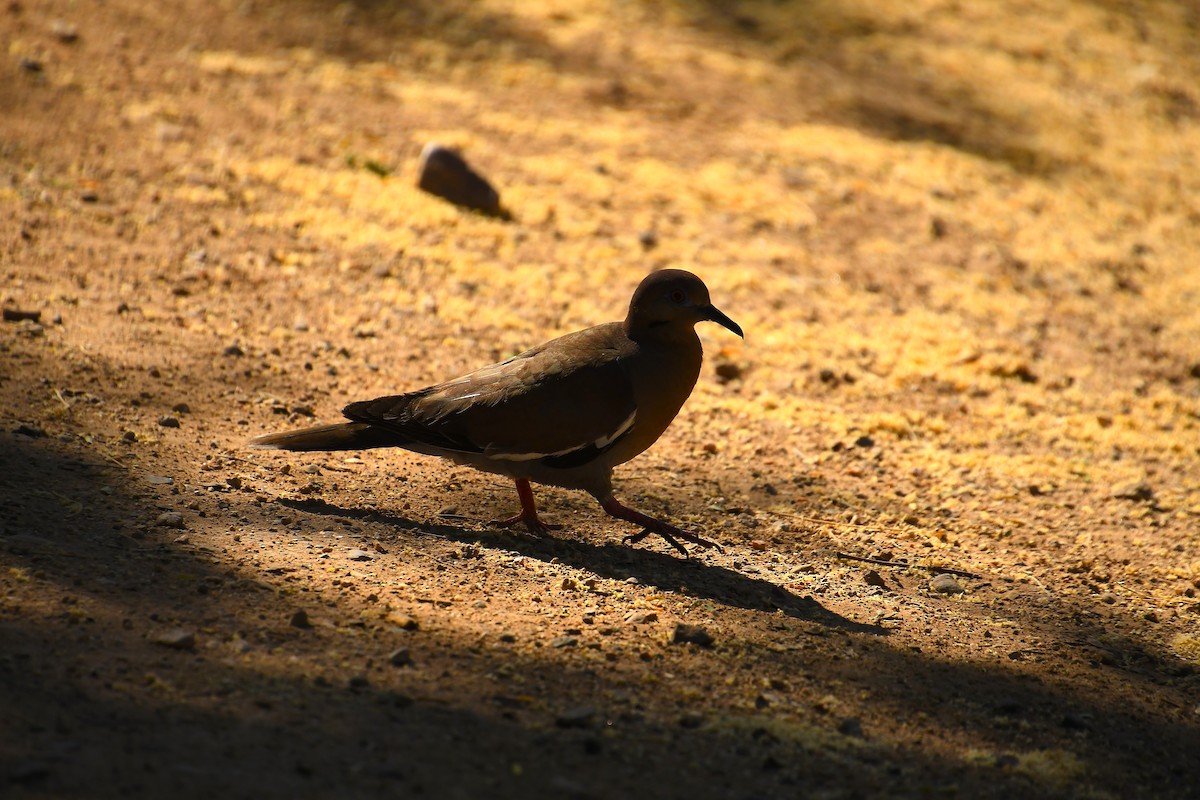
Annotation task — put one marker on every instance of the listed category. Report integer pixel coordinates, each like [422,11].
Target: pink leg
[528,514]
[651,525]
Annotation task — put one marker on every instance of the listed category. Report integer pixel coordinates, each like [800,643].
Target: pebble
[577,717]
[693,634]
[17,315]
[946,584]
[170,519]
[177,639]
[1139,491]
[564,641]
[64,31]
[32,431]
[400,657]
[233,351]
[129,436]
[851,726]
[641,617]
[508,638]
[181,408]
[168,422]
[361,555]
[159,480]
[446,174]
[873,578]
[403,621]
[300,619]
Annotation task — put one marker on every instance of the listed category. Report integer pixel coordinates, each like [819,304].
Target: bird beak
[711,312]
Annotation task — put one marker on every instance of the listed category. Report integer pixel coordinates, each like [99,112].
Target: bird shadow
[619,561]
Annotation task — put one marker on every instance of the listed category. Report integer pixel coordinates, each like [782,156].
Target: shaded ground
[961,241]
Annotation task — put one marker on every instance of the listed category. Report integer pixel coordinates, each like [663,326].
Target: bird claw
[533,523]
[669,532]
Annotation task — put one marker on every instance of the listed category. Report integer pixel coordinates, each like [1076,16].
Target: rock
[851,726]
[64,31]
[129,437]
[170,519]
[168,422]
[578,717]
[159,480]
[508,638]
[445,173]
[648,239]
[946,584]
[728,371]
[300,619]
[641,617]
[564,641]
[181,408]
[873,578]
[402,621]
[1140,491]
[361,555]
[233,351]
[177,639]
[17,315]
[234,482]
[32,431]
[400,657]
[691,634]
[864,441]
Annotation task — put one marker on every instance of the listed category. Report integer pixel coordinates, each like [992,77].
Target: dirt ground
[961,237]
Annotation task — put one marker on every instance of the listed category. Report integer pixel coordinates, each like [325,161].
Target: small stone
[233,482]
[1140,491]
[578,717]
[400,657]
[946,584]
[648,240]
[64,31]
[17,315]
[873,578]
[177,639]
[129,436]
[728,371]
[508,638]
[32,431]
[851,726]
[864,441]
[170,519]
[641,617]
[181,408]
[159,480]
[758,544]
[445,173]
[182,539]
[402,621]
[564,641]
[360,555]
[168,422]
[233,351]
[691,634]
[359,682]
[300,619]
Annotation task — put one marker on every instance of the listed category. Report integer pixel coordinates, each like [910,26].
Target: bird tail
[344,436]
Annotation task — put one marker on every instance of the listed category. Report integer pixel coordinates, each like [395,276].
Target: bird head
[670,300]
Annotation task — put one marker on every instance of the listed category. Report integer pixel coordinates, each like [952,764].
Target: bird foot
[531,521]
[651,525]
[669,532]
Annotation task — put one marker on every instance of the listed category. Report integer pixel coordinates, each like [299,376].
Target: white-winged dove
[564,413]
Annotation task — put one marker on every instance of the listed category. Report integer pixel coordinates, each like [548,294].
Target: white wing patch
[599,444]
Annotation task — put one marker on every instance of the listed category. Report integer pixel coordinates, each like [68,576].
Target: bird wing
[563,403]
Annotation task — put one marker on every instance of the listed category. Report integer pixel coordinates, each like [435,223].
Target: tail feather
[344,436]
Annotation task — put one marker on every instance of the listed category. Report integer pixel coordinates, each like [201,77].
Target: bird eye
[678,296]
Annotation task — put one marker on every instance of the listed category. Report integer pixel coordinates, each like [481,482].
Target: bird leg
[651,525]
[528,515]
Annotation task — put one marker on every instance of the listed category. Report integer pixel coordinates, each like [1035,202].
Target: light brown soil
[961,238]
